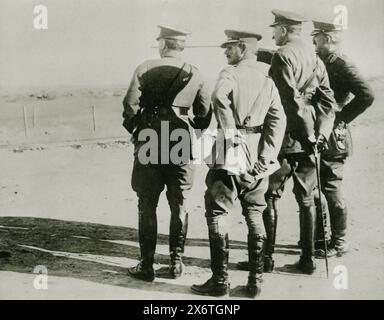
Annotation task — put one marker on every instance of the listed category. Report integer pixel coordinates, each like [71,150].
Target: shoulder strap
[310,79]
[168,98]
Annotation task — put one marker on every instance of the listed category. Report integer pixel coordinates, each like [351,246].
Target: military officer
[246,102]
[298,73]
[164,93]
[345,80]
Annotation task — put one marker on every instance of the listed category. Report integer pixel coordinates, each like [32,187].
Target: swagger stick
[323,218]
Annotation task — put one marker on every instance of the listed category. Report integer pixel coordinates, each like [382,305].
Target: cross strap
[168,98]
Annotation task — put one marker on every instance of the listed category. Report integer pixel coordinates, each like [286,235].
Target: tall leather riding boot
[218,284]
[339,228]
[177,235]
[319,228]
[147,240]
[270,224]
[256,254]
[301,221]
[307,226]
[219,249]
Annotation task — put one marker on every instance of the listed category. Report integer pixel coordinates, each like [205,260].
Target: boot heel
[211,288]
[269,265]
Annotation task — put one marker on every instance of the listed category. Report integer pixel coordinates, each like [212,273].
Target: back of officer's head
[282,33]
[171,45]
[174,44]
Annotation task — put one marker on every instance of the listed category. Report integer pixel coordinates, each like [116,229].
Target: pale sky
[100,42]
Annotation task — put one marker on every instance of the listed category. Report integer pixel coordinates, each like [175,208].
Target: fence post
[25,121]
[34,117]
[94,117]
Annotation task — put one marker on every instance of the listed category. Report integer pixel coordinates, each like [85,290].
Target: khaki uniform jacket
[292,65]
[245,96]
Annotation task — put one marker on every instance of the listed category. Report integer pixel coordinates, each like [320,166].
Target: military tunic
[346,80]
[151,81]
[244,96]
[292,66]
[170,91]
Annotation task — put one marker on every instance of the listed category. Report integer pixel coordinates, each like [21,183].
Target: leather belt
[250,130]
[162,111]
[181,111]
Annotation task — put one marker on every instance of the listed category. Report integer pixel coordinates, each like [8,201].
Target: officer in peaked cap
[172,33]
[297,73]
[282,18]
[325,28]
[162,92]
[345,80]
[246,103]
[235,36]
[286,18]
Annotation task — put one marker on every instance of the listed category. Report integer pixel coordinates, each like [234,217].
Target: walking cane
[323,218]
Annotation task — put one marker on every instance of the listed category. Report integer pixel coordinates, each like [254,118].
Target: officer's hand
[127,125]
[259,167]
[312,140]
[239,138]
[340,125]
[338,120]
[321,143]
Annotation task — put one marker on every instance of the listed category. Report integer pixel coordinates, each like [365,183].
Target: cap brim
[182,38]
[331,32]
[225,44]
[286,23]
[315,33]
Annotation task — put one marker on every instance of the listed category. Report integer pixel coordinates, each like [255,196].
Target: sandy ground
[66,204]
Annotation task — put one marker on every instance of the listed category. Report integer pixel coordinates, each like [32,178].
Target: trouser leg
[179,179]
[275,188]
[304,178]
[336,203]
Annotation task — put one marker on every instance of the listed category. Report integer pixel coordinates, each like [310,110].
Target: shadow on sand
[93,252]
[87,251]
